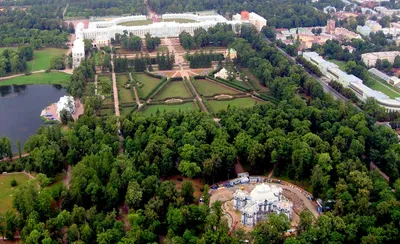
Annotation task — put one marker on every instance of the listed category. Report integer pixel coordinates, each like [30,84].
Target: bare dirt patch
[197,184]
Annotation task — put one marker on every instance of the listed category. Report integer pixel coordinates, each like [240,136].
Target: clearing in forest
[41,58]
[7,191]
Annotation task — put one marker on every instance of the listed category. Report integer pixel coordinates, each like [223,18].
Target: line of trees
[81,75]
[165,61]
[218,35]
[203,59]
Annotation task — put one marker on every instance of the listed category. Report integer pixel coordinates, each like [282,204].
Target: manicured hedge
[233,85]
[156,89]
[153,75]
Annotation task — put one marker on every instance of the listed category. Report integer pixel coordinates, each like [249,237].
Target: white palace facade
[263,200]
[105,30]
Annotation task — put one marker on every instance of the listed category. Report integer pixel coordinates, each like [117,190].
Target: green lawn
[41,58]
[125,95]
[107,111]
[126,111]
[137,22]
[173,89]
[209,88]
[7,192]
[148,83]
[180,20]
[341,64]
[55,77]
[152,109]
[245,102]
[379,86]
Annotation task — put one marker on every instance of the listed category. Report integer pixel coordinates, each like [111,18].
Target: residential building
[370,58]
[364,30]
[387,12]
[374,25]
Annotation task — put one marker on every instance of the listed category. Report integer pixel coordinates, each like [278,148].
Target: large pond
[20,108]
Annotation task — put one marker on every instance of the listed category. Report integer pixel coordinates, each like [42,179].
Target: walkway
[95,85]
[185,75]
[136,93]
[15,157]
[115,88]
[65,10]
[67,178]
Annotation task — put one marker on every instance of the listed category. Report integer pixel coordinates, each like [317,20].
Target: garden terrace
[147,83]
[174,89]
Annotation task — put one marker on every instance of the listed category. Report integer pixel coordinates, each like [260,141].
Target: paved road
[15,157]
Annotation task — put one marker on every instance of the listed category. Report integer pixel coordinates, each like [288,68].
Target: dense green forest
[37,25]
[122,196]
[79,8]
[279,13]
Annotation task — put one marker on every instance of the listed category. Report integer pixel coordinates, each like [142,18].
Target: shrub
[13,183]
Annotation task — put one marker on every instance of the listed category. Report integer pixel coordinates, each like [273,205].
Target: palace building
[107,29]
[263,200]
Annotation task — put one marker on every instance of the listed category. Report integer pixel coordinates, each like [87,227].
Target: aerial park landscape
[180,121]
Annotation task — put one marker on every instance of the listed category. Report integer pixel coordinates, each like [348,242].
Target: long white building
[333,72]
[108,29]
[262,200]
[78,50]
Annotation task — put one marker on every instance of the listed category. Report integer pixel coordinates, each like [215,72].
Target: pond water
[20,108]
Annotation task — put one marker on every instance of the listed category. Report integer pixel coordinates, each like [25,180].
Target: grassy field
[108,97]
[174,89]
[41,58]
[209,88]
[180,20]
[152,109]
[126,111]
[137,22]
[6,191]
[379,85]
[55,77]
[341,64]
[125,95]
[107,111]
[148,83]
[245,102]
